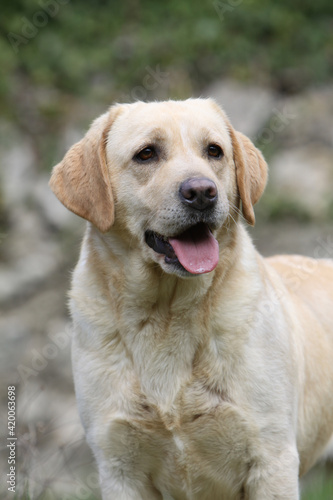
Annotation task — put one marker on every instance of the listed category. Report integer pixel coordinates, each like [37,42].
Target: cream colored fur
[213,387]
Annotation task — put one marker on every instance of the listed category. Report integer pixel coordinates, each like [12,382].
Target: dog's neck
[162,319]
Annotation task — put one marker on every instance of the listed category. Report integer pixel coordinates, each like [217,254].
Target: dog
[202,370]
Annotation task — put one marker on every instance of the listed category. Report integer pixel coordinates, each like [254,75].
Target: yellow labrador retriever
[202,371]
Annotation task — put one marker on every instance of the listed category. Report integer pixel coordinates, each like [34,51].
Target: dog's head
[166,177]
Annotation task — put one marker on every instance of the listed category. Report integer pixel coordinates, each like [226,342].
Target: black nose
[199,193]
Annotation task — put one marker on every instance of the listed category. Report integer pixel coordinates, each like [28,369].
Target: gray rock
[312,113]
[305,176]
[249,107]
[28,273]
[51,208]
[17,173]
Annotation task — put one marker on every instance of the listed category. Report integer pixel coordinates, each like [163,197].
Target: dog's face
[166,177]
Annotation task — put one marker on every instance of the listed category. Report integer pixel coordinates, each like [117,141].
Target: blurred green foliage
[78,46]
[57,54]
[274,207]
[321,485]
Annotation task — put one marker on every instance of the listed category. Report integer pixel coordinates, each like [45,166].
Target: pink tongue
[197,250]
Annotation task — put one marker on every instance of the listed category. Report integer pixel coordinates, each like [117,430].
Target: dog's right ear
[81,180]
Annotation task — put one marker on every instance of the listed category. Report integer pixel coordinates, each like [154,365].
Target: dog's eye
[146,154]
[215,151]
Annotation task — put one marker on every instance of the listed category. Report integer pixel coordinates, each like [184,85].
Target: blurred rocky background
[268,63]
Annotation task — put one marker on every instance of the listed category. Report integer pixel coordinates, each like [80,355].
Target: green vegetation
[274,208]
[321,486]
[82,47]
[56,54]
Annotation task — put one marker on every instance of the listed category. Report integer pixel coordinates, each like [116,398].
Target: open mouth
[196,250]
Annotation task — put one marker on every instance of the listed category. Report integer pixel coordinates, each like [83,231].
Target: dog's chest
[179,422]
[199,449]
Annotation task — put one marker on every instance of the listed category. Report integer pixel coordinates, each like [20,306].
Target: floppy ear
[81,180]
[251,173]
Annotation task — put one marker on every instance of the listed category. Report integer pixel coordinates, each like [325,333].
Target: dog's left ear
[251,173]
[81,180]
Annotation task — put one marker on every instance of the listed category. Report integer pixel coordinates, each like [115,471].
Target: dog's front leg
[275,478]
[127,460]
[117,483]
[123,489]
